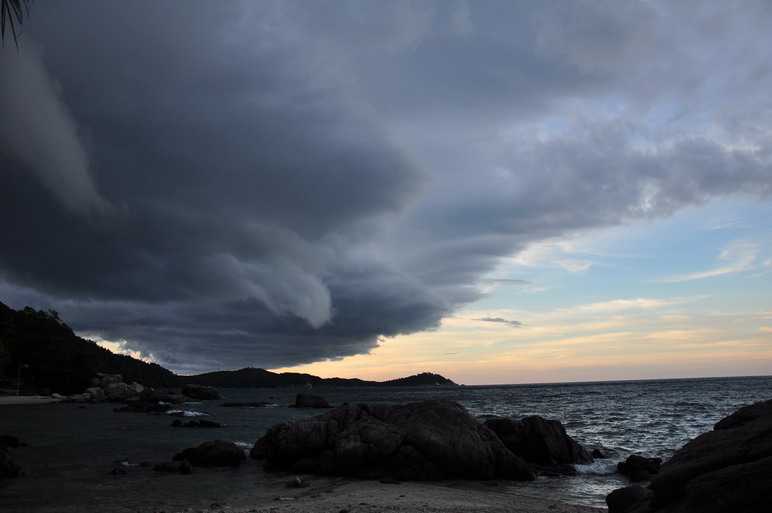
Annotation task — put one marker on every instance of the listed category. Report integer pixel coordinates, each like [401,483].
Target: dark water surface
[72,448]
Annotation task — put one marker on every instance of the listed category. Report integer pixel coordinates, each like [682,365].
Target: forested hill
[261,378]
[40,348]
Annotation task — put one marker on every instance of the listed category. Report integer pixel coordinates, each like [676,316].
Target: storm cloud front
[277,183]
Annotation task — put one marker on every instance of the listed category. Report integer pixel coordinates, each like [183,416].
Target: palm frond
[10,10]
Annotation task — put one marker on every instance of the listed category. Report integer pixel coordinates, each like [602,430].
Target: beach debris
[296,482]
[215,453]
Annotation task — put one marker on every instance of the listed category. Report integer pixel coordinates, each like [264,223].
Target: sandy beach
[27,399]
[374,496]
[68,468]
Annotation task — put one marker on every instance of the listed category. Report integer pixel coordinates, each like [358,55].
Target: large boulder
[306,400]
[639,468]
[539,441]
[201,392]
[427,440]
[117,392]
[97,394]
[108,379]
[216,453]
[727,469]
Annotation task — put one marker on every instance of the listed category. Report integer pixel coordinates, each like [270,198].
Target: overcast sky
[481,189]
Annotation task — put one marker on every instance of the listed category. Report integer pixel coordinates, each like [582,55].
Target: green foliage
[5,358]
[51,358]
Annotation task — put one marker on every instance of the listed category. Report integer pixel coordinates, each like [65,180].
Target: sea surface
[73,448]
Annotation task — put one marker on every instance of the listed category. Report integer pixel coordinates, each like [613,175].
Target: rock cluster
[105,388]
[110,388]
[544,444]
[727,469]
[427,440]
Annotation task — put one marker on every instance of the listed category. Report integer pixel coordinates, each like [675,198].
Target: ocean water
[73,448]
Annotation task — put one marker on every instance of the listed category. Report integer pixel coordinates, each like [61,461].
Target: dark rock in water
[9,441]
[624,500]
[196,423]
[598,454]
[639,468]
[306,400]
[539,441]
[8,467]
[421,441]
[185,467]
[171,466]
[255,404]
[216,453]
[727,469]
[201,392]
[118,471]
[161,397]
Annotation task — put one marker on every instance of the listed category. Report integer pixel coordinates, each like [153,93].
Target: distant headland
[40,350]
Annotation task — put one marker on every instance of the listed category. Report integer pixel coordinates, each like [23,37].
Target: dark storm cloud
[283,182]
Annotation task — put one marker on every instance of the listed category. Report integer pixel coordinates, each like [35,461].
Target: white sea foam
[600,467]
[186,413]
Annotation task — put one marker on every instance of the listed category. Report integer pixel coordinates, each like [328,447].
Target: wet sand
[446,497]
[26,399]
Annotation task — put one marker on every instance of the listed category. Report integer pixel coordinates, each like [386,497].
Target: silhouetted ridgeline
[261,378]
[51,358]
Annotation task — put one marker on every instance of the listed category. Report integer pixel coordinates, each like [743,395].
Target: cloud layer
[278,183]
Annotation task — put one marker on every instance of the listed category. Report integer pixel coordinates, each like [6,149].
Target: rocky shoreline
[433,441]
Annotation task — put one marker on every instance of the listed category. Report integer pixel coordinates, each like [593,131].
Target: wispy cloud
[617,305]
[514,324]
[738,257]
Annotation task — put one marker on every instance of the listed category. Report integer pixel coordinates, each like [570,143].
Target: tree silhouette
[10,10]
